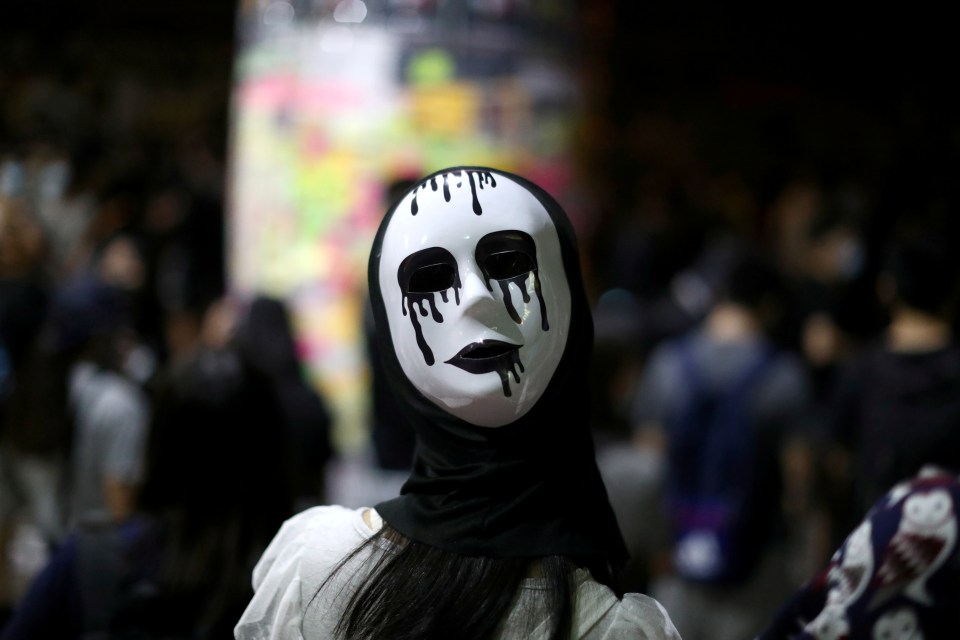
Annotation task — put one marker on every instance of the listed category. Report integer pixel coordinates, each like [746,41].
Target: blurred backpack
[713,477]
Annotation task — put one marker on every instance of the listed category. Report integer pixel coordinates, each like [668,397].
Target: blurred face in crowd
[476,294]
[121,264]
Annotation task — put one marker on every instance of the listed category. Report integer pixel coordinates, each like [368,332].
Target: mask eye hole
[507,264]
[431,278]
[430,270]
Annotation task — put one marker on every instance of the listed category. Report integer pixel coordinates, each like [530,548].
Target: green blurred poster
[333,100]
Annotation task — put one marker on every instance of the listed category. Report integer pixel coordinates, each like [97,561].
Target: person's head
[264,335]
[475,294]
[753,283]
[215,488]
[88,318]
[214,422]
[120,262]
[921,273]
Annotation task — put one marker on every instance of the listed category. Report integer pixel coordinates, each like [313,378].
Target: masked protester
[503,529]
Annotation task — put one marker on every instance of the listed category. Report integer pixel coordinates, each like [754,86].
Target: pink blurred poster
[333,100]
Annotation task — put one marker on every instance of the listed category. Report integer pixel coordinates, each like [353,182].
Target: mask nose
[479,302]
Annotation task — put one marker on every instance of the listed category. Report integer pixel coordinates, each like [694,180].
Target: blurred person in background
[25,282]
[34,423]
[110,410]
[265,340]
[92,325]
[121,266]
[657,256]
[63,186]
[897,404]
[182,227]
[825,248]
[215,490]
[721,402]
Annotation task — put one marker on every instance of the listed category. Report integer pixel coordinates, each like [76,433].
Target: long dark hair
[414,591]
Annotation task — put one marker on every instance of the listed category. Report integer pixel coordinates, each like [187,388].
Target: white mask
[476,294]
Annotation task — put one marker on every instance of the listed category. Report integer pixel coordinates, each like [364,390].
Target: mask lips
[489,356]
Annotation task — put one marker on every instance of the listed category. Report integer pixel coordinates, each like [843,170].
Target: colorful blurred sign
[333,100]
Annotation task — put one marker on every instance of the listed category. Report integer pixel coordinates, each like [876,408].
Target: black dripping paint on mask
[475,178]
[504,366]
[491,356]
[418,299]
[421,276]
[520,282]
[503,372]
[509,257]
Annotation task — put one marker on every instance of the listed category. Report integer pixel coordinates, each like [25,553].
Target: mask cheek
[543,330]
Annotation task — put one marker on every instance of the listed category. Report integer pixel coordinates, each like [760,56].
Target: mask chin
[486,407]
[478,303]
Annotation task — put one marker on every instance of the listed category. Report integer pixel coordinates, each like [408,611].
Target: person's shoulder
[116,393]
[640,616]
[315,537]
[320,533]
[294,567]
[324,516]
[600,615]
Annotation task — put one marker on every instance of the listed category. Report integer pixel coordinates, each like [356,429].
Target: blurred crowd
[762,386]
[146,419]
[133,391]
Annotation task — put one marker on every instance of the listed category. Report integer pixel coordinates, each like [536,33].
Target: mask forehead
[452,209]
[439,224]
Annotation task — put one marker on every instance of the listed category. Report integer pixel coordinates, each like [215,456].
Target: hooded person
[504,529]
